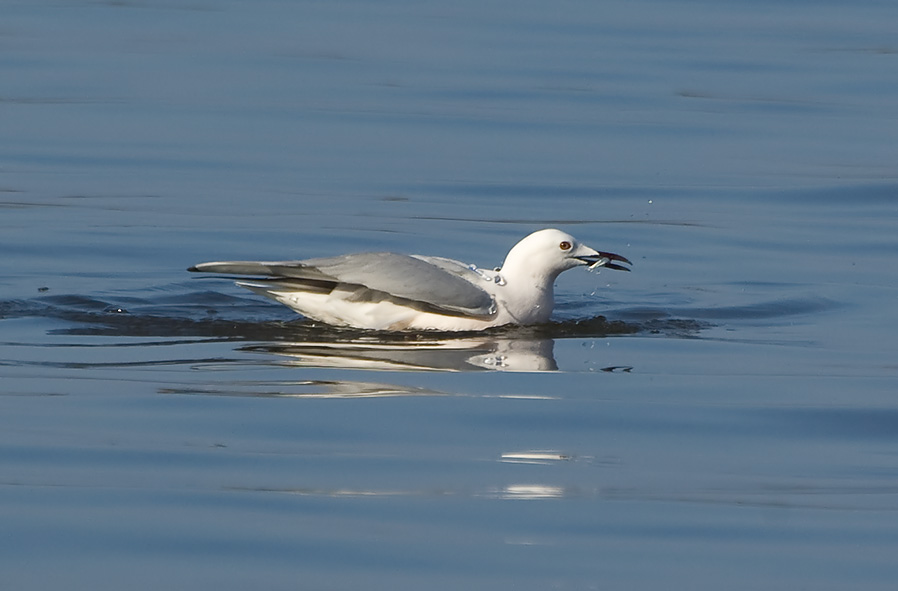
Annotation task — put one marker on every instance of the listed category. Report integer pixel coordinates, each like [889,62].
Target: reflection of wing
[309,389]
[438,355]
[397,275]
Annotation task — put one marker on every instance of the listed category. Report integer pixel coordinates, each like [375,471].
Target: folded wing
[376,274]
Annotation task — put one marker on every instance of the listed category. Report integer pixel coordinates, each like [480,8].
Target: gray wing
[397,275]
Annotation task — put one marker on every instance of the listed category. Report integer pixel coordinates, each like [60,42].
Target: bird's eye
[565,245]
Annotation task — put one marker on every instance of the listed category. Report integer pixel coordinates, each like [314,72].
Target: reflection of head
[518,355]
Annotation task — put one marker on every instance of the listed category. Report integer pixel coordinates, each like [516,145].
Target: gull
[398,292]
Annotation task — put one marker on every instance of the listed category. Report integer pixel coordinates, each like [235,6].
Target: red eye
[565,245]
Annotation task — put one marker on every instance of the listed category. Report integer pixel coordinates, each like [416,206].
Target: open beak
[604,259]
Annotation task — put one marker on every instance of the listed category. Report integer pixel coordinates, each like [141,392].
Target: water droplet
[499,280]
[485,275]
[498,361]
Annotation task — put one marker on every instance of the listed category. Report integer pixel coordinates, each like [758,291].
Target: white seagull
[398,292]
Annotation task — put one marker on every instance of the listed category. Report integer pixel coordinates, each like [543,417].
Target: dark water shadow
[255,327]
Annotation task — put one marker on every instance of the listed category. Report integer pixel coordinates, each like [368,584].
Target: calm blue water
[725,416]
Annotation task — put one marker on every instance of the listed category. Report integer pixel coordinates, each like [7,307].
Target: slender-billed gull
[388,291]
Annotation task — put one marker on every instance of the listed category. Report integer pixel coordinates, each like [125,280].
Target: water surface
[722,417]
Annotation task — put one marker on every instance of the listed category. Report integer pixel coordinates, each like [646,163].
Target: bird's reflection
[495,353]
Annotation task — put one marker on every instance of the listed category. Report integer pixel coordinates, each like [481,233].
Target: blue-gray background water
[723,417]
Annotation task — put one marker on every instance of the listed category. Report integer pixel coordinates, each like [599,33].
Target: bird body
[397,292]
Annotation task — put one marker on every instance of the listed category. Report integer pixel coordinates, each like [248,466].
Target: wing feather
[397,275]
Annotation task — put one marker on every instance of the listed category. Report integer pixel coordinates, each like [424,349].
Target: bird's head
[549,252]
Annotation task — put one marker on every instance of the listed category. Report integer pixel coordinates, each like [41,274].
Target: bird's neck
[529,297]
